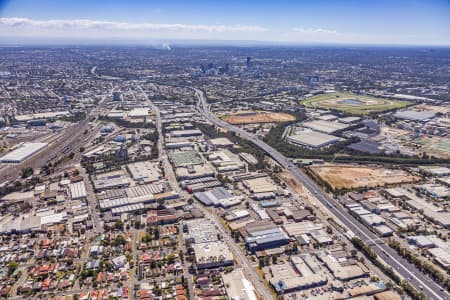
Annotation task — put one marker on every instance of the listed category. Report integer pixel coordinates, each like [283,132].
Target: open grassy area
[352,103]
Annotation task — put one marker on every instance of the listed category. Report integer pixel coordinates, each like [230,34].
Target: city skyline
[320,22]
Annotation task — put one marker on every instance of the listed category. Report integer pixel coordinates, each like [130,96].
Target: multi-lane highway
[407,270]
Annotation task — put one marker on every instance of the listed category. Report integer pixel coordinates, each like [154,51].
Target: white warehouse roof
[22,153]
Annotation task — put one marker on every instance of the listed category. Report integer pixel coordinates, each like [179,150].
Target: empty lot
[253,117]
[352,177]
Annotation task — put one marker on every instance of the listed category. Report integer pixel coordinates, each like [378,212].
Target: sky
[383,22]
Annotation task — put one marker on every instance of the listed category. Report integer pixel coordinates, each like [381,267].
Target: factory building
[22,153]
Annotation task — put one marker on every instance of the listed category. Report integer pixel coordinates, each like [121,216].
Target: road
[407,270]
[261,288]
[171,178]
[92,203]
[242,260]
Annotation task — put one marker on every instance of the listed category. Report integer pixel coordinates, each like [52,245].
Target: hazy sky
[412,22]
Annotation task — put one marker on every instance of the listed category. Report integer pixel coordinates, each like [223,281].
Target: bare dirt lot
[253,117]
[351,177]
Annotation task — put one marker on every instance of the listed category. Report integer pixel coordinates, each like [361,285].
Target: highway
[407,270]
[241,259]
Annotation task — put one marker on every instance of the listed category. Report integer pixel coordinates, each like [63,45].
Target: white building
[22,153]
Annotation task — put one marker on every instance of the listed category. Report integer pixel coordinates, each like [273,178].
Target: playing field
[350,177]
[352,103]
[253,117]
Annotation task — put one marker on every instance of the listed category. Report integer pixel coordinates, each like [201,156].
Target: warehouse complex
[312,139]
[22,153]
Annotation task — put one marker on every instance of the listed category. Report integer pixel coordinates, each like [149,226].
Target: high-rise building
[249,61]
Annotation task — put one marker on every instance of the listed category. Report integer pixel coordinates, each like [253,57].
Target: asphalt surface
[407,270]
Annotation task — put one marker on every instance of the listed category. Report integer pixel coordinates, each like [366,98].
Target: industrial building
[260,185]
[413,115]
[194,171]
[218,197]
[286,279]
[265,239]
[20,154]
[186,133]
[78,190]
[185,158]
[312,139]
[220,143]
[138,113]
[225,161]
[325,126]
[212,255]
[145,171]
[340,269]
[200,231]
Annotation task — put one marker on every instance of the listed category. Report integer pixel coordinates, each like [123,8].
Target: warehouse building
[22,153]
[218,197]
[145,171]
[186,133]
[286,279]
[138,113]
[325,126]
[185,158]
[199,231]
[194,171]
[78,190]
[345,271]
[221,143]
[260,185]
[212,255]
[413,115]
[312,139]
[266,239]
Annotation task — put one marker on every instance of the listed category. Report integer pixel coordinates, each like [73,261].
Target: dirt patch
[290,182]
[253,117]
[352,177]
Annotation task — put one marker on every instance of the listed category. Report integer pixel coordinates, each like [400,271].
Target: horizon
[349,22]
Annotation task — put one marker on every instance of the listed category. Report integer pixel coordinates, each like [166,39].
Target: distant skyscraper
[249,61]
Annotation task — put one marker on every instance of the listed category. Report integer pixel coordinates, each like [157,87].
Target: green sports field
[352,103]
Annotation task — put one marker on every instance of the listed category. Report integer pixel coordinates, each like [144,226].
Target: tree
[261,262]
[120,240]
[170,258]
[118,225]
[12,266]
[27,172]
[156,233]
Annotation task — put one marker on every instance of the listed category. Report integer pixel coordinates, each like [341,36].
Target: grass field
[253,117]
[352,103]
